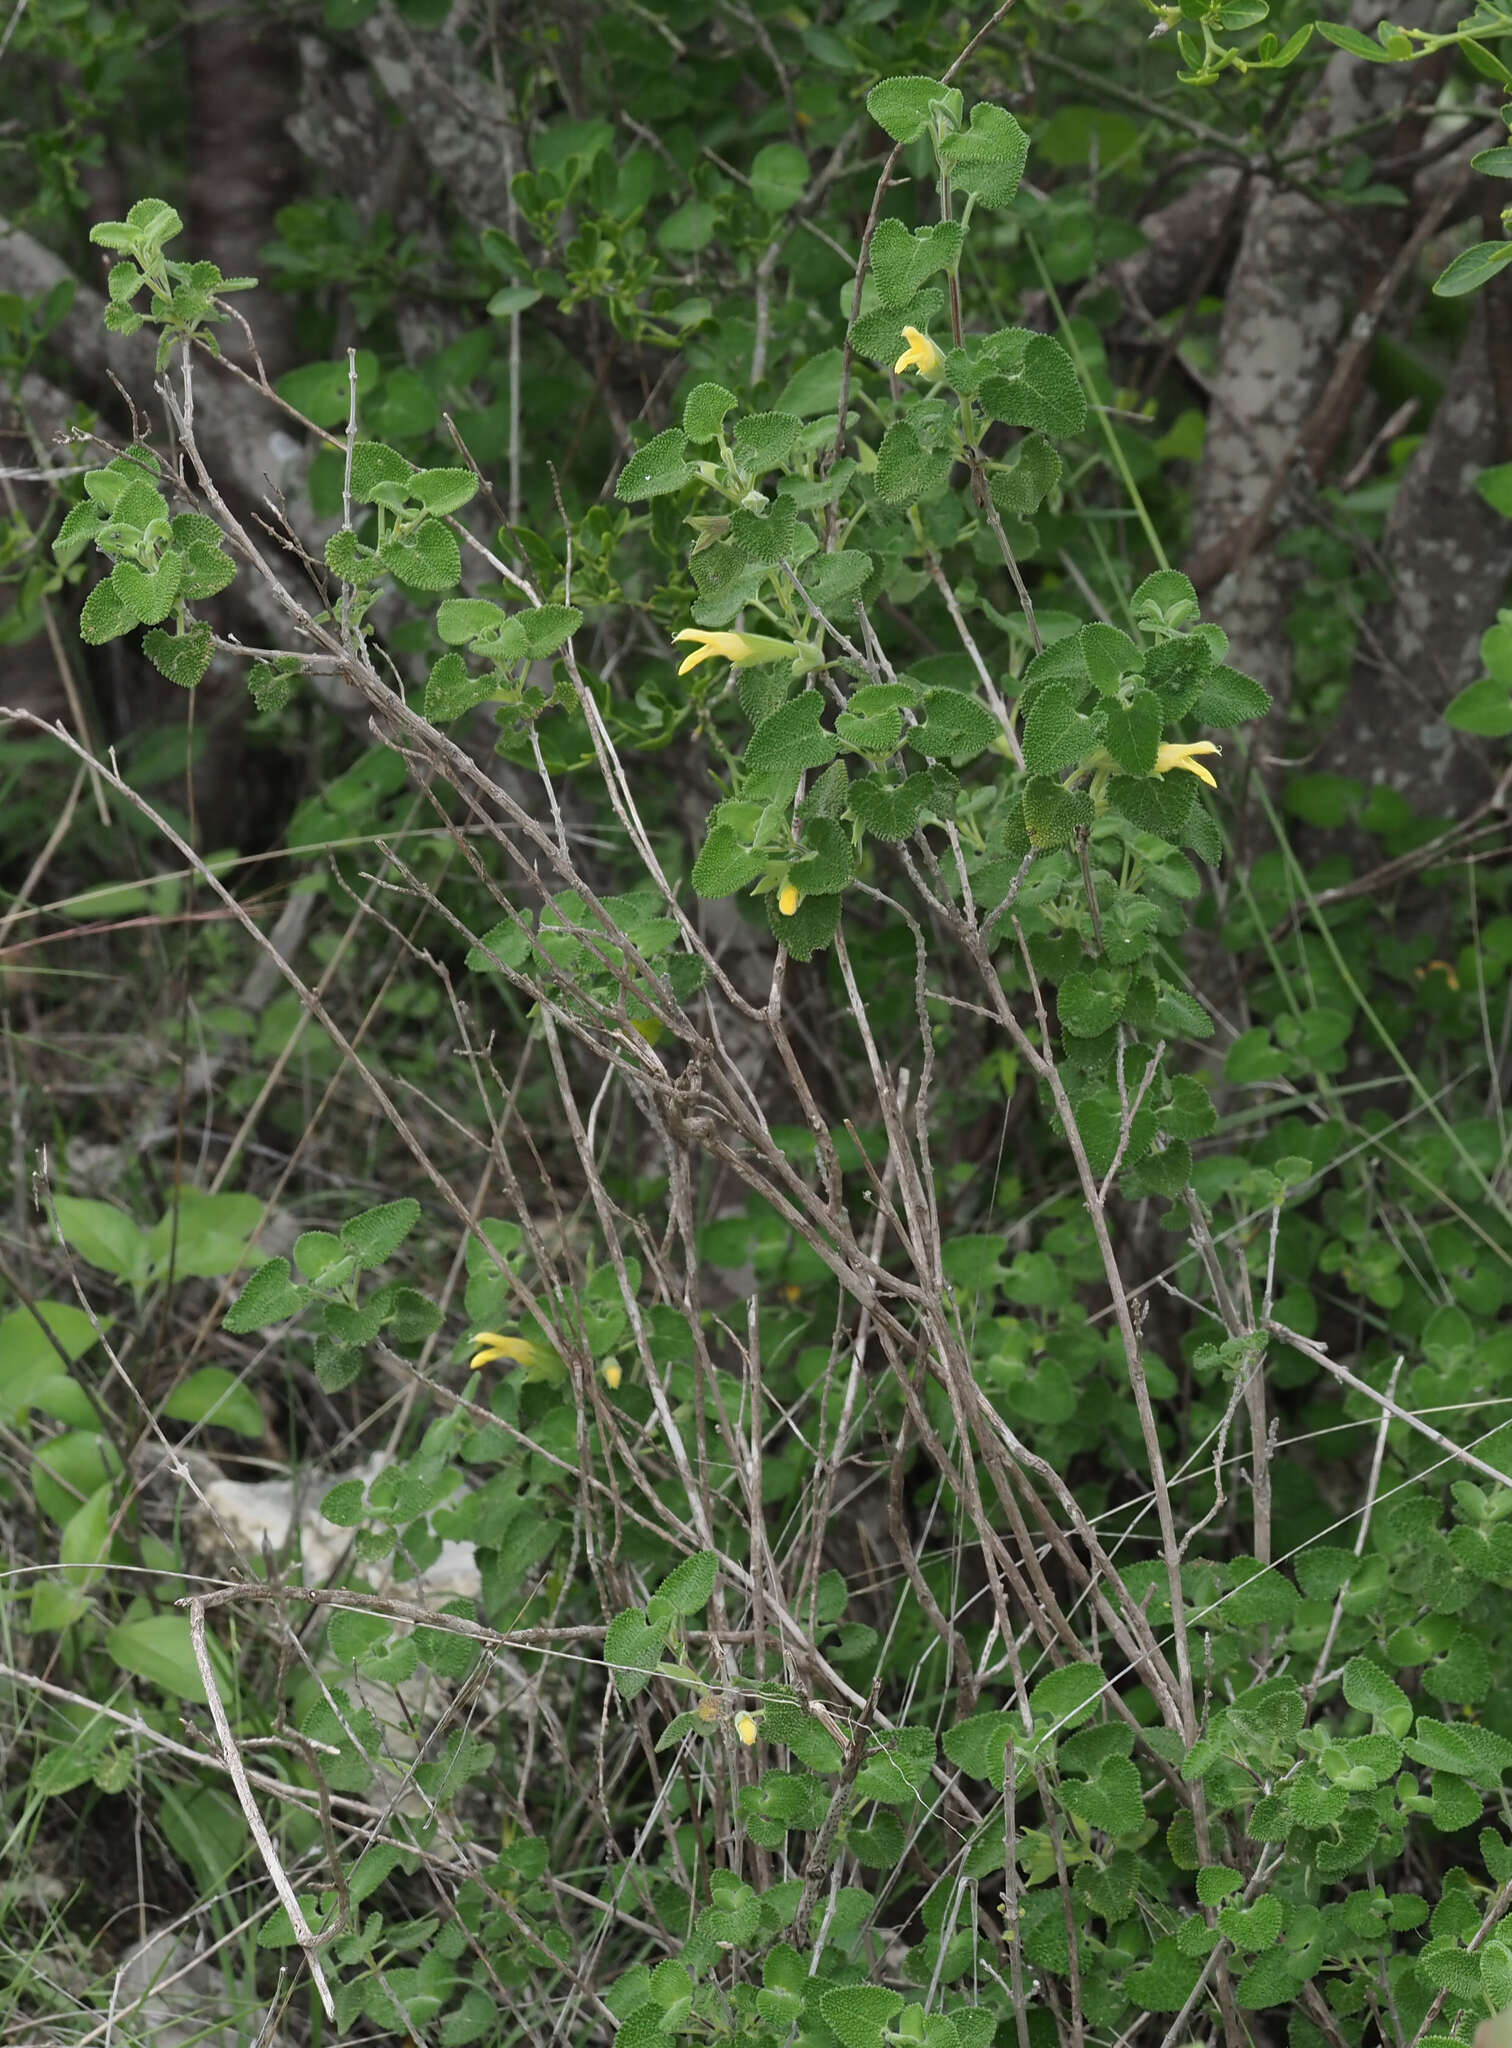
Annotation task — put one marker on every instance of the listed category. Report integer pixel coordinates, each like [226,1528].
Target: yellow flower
[1182,754]
[1440,967]
[745,1728]
[614,1372]
[707,1710]
[921,354]
[739,648]
[518,1350]
[789,898]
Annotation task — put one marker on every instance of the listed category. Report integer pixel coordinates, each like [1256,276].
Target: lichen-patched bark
[1449,558]
[1295,287]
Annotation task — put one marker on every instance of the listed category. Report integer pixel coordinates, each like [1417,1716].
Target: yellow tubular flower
[614,1372]
[736,648]
[921,354]
[518,1350]
[1440,967]
[745,1728]
[788,899]
[1181,754]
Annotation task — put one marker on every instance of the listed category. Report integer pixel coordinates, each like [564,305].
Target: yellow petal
[613,1374]
[921,354]
[518,1350]
[789,899]
[745,1728]
[1181,754]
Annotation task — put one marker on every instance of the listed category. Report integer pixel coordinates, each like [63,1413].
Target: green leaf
[270,1296]
[343,1505]
[510,299]
[103,1236]
[427,559]
[85,1537]
[1189,1113]
[460,619]
[723,865]
[1052,813]
[1020,487]
[814,387]
[1179,1015]
[1133,732]
[206,570]
[507,942]
[375,463]
[1214,1884]
[1069,1696]
[1088,1004]
[323,391]
[318,1252]
[831,579]
[657,468]
[182,657]
[792,740]
[80,528]
[377,1234]
[1496,649]
[1056,735]
[892,811]
[902,106]
[1367,1687]
[443,490]
[1278,1976]
[1484,708]
[149,224]
[689,228]
[1166,598]
[811,927]
[1166,1981]
[1111,1801]
[31,1359]
[877,735]
[347,558]
[632,1650]
[1472,268]
[1229,698]
[986,159]
[764,439]
[901,261]
[1327,801]
[879,331]
[905,471]
[779,177]
[104,617]
[216,1396]
[955,728]
[204,1236]
[157,1648]
[764,537]
[1036,385]
[688,1587]
[1158,804]
[826,863]
[1494,485]
[979,1744]
[272,688]
[1351,39]
[548,628]
[859,2013]
[450,690]
[705,409]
